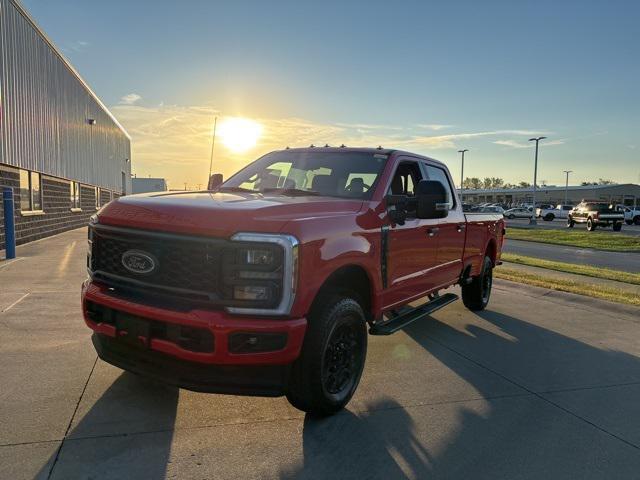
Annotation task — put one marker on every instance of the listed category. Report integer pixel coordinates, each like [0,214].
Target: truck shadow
[491,436]
[127,433]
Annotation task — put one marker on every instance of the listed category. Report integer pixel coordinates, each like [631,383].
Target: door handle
[461,227]
[432,232]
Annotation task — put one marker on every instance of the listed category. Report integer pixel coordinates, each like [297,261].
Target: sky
[428,77]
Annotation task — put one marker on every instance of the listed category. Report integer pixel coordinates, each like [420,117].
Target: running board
[410,316]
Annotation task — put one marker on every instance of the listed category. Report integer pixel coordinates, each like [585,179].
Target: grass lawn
[581,288]
[587,270]
[615,242]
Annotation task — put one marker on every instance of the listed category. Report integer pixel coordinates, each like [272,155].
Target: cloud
[433,126]
[527,144]
[78,46]
[174,141]
[130,99]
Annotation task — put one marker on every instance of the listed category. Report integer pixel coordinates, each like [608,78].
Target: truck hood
[220,214]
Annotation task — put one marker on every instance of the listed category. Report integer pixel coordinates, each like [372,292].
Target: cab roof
[372,150]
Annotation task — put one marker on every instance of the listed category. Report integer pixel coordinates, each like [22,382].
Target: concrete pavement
[542,384]
[625,261]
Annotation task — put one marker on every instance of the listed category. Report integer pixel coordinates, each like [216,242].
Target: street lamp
[566,186]
[462,170]
[532,220]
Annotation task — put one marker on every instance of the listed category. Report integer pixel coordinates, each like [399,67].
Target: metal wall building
[627,194]
[57,139]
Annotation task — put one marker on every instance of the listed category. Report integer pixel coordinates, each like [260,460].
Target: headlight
[261,277]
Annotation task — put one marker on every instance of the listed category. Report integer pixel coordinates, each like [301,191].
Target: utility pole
[213,144]
[185,186]
[532,220]
[566,186]
[462,171]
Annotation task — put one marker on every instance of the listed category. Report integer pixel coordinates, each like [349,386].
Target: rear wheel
[636,220]
[591,226]
[549,217]
[617,226]
[629,222]
[475,295]
[570,222]
[325,376]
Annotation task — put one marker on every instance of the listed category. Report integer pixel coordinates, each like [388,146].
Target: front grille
[184,264]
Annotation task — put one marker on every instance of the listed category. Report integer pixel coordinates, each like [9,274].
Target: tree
[524,185]
[472,183]
[604,181]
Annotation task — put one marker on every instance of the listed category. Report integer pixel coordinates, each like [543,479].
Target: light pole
[532,220]
[462,170]
[566,186]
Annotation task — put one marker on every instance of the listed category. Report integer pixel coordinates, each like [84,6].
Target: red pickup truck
[267,283]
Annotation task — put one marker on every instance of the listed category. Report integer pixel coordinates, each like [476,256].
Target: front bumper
[229,339]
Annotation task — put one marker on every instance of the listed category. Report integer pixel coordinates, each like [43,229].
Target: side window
[405,179]
[437,173]
[30,191]
[74,195]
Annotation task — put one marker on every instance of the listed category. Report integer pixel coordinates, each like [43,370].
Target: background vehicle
[518,212]
[266,286]
[595,214]
[631,215]
[559,211]
[492,209]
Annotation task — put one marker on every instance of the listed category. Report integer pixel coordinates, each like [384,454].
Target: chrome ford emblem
[137,261]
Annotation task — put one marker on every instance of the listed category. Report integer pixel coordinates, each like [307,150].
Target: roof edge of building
[68,64]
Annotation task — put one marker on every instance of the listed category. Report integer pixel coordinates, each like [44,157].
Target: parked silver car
[518,213]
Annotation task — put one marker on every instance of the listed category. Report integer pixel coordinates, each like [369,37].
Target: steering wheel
[366,187]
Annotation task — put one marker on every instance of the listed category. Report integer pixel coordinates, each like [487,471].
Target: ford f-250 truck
[268,283]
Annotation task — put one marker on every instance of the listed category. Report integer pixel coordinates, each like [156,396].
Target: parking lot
[542,384]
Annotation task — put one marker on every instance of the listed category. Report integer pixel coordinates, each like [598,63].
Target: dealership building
[627,194]
[61,150]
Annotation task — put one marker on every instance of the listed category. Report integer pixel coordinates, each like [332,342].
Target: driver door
[411,248]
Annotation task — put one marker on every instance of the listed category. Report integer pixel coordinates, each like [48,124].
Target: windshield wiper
[290,191]
[237,189]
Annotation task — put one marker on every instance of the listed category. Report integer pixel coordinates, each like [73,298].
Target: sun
[239,134]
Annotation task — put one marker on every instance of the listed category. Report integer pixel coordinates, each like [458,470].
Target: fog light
[250,292]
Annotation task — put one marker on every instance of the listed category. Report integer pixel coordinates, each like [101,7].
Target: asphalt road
[562,224]
[627,262]
[541,385]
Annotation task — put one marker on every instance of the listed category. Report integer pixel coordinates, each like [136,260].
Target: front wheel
[548,217]
[325,376]
[591,226]
[629,222]
[570,222]
[475,295]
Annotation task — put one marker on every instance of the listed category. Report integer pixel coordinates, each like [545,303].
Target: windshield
[334,174]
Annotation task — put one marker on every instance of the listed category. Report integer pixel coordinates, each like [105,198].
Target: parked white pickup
[548,214]
[631,215]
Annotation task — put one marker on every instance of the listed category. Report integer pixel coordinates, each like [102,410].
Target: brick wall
[57,216]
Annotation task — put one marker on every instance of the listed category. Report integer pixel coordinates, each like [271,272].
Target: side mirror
[215,181]
[432,199]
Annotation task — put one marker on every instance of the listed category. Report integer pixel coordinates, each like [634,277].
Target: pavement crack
[73,416]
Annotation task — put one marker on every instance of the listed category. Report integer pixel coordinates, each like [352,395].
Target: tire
[321,384]
[617,226]
[590,225]
[636,220]
[549,217]
[629,222]
[570,222]
[476,294]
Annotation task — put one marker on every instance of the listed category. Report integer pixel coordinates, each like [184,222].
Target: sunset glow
[239,134]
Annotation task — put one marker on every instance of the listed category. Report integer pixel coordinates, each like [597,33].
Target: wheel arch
[349,279]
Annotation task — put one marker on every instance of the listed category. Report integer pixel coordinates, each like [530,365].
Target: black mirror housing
[215,181]
[431,197]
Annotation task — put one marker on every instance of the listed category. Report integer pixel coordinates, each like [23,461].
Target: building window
[74,195]
[30,191]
